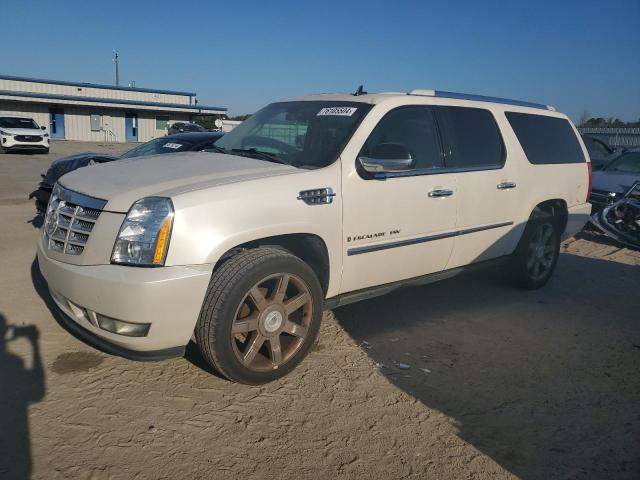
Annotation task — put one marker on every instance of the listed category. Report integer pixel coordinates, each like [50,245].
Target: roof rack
[478,98]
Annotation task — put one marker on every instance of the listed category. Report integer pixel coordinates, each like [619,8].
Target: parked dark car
[615,178]
[184,127]
[599,151]
[183,142]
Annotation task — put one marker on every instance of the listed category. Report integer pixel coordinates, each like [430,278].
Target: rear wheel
[537,253]
[261,315]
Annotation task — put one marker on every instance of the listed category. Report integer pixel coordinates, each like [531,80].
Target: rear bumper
[577,217]
[167,298]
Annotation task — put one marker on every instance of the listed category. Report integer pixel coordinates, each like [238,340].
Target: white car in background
[22,133]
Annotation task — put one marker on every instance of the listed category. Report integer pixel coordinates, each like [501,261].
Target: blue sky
[576,55]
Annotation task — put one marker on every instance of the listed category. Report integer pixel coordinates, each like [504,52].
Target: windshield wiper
[215,148]
[253,153]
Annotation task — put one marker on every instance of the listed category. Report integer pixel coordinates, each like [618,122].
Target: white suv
[308,204]
[22,133]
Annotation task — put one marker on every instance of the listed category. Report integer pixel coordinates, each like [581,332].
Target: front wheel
[261,315]
[537,253]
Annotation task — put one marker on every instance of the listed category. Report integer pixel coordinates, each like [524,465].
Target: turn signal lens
[161,243]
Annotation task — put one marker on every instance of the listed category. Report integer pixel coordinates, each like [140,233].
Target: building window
[162,122]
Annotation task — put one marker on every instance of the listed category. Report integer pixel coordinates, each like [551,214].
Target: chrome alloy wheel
[541,252]
[271,322]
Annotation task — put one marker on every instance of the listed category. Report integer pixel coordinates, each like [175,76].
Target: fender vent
[319,196]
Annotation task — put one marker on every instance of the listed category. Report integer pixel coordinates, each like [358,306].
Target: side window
[472,137]
[413,127]
[546,139]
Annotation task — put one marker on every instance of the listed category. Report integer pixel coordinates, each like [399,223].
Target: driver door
[398,225]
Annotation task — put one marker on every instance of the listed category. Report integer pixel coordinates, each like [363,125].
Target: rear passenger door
[487,184]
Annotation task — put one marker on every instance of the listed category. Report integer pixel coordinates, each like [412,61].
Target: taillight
[590,170]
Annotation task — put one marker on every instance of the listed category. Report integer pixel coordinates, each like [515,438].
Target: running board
[371,292]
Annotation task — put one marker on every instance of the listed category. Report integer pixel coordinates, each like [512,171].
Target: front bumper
[11,143]
[168,298]
[577,217]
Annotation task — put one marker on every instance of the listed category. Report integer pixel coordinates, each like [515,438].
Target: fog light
[123,328]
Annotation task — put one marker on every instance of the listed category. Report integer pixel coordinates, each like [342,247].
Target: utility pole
[115,59]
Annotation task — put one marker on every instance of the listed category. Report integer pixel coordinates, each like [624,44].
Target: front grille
[28,138]
[68,224]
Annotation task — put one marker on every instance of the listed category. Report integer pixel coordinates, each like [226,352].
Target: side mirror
[388,157]
[43,128]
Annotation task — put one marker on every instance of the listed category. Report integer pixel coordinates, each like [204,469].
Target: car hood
[23,131]
[618,182]
[123,182]
[67,164]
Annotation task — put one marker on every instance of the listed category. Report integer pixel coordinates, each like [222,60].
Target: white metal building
[91,112]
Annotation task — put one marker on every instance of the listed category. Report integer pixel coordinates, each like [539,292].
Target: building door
[56,123]
[131,127]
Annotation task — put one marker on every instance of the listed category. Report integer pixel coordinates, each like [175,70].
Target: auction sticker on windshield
[341,111]
[175,146]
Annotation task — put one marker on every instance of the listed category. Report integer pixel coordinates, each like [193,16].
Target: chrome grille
[69,220]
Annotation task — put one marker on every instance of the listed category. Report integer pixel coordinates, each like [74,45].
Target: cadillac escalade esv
[309,204]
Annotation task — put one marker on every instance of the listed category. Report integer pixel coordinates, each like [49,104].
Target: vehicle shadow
[544,382]
[19,387]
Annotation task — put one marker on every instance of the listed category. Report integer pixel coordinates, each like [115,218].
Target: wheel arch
[556,208]
[309,247]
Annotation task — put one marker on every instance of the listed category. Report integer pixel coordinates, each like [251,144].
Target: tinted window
[413,127]
[546,139]
[472,137]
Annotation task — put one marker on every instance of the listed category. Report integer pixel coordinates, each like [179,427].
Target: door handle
[506,185]
[440,192]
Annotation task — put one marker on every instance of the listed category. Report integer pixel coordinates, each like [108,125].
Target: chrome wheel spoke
[281,289]
[296,302]
[294,329]
[245,325]
[255,343]
[258,298]
[275,349]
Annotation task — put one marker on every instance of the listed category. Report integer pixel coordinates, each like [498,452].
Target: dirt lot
[501,383]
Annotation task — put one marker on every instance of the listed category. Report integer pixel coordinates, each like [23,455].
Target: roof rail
[478,98]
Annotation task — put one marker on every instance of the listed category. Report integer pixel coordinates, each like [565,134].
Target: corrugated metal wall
[88,91]
[77,121]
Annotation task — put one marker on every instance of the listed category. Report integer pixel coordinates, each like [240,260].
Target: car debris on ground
[621,220]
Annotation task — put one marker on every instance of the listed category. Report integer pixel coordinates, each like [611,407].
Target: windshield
[627,162]
[17,122]
[158,146]
[304,134]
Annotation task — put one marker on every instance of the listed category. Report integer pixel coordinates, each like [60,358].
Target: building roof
[94,85]
[53,96]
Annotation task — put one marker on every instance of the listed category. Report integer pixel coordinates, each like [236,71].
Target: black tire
[231,285]
[521,269]
[46,152]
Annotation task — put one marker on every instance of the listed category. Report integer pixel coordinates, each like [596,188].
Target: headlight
[144,235]
[7,134]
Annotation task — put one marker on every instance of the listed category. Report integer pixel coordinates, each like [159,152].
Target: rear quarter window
[546,140]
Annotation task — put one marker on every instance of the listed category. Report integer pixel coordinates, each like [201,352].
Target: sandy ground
[500,383]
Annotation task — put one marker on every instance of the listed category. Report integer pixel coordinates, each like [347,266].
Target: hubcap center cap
[273,321]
